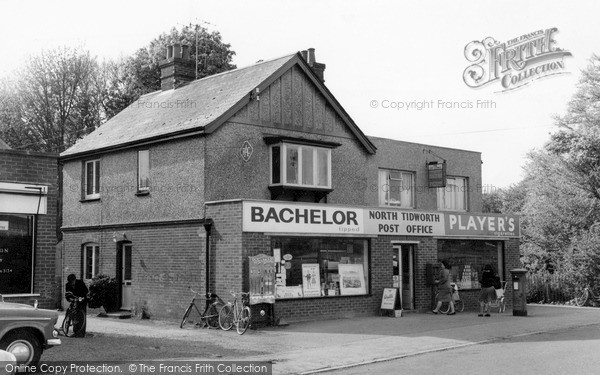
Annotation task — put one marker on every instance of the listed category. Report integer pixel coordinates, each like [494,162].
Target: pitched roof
[3,145]
[200,106]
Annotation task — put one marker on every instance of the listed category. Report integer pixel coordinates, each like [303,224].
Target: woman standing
[444,288]
[488,293]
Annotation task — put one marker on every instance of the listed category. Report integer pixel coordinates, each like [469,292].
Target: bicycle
[585,296]
[459,305]
[74,318]
[210,316]
[237,313]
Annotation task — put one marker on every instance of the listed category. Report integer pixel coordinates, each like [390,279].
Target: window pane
[467,258]
[291,164]
[96,261]
[383,187]
[406,193]
[276,164]
[337,266]
[307,166]
[89,178]
[394,188]
[323,167]
[88,262]
[143,170]
[97,177]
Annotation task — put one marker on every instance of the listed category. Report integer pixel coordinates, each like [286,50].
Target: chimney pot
[311,56]
[177,50]
[304,55]
[169,52]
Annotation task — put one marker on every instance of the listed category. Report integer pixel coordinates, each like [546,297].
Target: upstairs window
[92,179]
[453,197]
[300,166]
[396,188]
[143,171]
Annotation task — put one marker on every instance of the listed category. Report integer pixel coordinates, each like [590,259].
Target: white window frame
[448,196]
[95,248]
[283,147]
[384,189]
[95,177]
[143,186]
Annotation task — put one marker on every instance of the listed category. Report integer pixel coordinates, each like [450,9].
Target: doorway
[404,273]
[124,274]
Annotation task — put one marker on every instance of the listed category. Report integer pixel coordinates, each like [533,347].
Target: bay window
[298,165]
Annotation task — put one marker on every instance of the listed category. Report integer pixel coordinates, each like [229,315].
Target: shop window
[453,197]
[321,267]
[467,258]
[300,166]
[92,179]
[396,188]
[144,171]
[90,260]
[16,253]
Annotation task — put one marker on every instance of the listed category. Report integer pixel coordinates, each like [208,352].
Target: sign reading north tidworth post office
[289,217]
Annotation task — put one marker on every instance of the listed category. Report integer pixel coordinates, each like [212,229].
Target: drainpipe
[208,223]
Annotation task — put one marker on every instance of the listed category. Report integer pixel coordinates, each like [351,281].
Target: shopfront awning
[23,198]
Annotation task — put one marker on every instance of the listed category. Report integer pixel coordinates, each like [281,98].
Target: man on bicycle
[75,289]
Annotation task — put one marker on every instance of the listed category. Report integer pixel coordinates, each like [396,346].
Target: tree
[560,198]
[54,103]
[140,73]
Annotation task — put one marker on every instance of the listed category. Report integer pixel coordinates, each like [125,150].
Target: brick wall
[42,169]
[166,261]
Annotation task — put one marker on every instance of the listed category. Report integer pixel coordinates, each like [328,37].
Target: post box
[519,288]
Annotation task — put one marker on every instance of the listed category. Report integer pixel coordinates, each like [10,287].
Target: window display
[320,267]
[467,258]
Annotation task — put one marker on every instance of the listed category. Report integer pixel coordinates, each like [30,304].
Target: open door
[404,274]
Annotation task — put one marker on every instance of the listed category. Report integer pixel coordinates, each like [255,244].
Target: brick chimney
[177,69]
[318,68]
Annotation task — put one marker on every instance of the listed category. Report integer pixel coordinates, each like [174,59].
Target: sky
[381,56]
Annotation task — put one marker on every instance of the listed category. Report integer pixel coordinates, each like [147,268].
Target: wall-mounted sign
[289,217]
[436,174]
[3,225]
[262,279]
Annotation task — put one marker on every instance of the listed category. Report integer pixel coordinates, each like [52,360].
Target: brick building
[187,183]
[28,235]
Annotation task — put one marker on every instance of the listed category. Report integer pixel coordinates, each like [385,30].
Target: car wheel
[24,346]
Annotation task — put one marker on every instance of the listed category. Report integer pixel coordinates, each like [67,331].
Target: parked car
[27,331]
[8,363]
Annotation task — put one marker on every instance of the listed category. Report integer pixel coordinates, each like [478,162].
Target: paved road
[318,346]
[564,351]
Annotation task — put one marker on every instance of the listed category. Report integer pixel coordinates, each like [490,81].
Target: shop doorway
[124,274]
[404,274]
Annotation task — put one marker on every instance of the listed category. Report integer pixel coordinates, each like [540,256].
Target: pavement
[320,346]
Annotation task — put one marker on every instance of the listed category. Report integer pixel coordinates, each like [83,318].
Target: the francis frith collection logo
[514,63]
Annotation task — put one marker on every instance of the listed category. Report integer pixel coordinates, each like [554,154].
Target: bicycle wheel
[459,305]
[211,315]
[244,320]
[226,317]
[186,316]
[582,299]
[67,325]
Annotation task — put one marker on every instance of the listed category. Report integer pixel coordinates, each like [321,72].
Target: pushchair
[499,302]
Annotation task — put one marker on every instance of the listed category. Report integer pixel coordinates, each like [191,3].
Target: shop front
[335,261]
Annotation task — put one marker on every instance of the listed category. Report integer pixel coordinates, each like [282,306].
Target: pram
[499,302]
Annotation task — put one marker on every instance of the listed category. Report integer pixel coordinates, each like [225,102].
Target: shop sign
[482,225]
[412,223]
[3,225]
[436,174]
[390,300]
[292,218]
[321,219]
